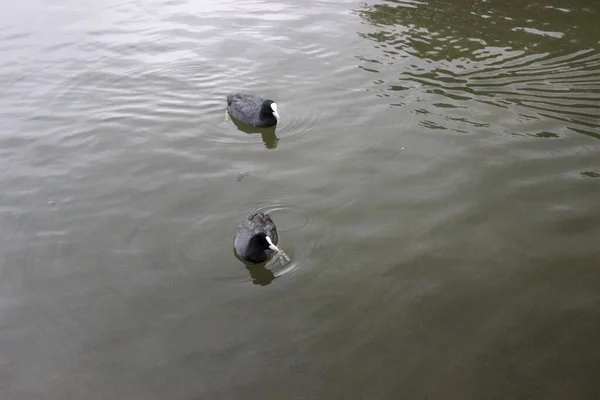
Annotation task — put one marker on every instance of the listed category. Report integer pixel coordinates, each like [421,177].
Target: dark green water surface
[435,179]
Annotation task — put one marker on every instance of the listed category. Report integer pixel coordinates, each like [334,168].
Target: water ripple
[297,234]
[524,73]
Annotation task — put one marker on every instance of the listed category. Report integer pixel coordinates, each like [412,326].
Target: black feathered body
[251,110]
[250,243]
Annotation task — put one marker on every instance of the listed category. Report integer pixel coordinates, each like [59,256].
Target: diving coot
[256,239]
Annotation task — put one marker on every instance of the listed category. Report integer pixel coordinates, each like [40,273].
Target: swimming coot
[252,110]
[256,238]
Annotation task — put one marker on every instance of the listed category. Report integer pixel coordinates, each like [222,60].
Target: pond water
[435,180]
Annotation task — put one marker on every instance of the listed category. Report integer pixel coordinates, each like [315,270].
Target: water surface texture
[435,179]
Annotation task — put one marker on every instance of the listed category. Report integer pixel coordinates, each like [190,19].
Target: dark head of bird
[258,249]
[268,111]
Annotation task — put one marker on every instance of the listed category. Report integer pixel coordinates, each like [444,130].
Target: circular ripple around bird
[286,217]
[298,123]
[298,235]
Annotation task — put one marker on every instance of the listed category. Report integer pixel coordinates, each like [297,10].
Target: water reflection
[260,274]
[268,134]
[590,174]
[537,62]
[457,28]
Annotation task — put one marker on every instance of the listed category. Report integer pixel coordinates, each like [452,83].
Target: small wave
[296,228]
[555,75]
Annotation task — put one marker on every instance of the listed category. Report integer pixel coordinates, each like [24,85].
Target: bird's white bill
[275,113]
[271,245]
[277,249]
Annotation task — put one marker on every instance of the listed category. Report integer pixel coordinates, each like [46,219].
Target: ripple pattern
[534,74]
[436,163]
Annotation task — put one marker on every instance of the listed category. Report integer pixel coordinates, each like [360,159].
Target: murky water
[434,178]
